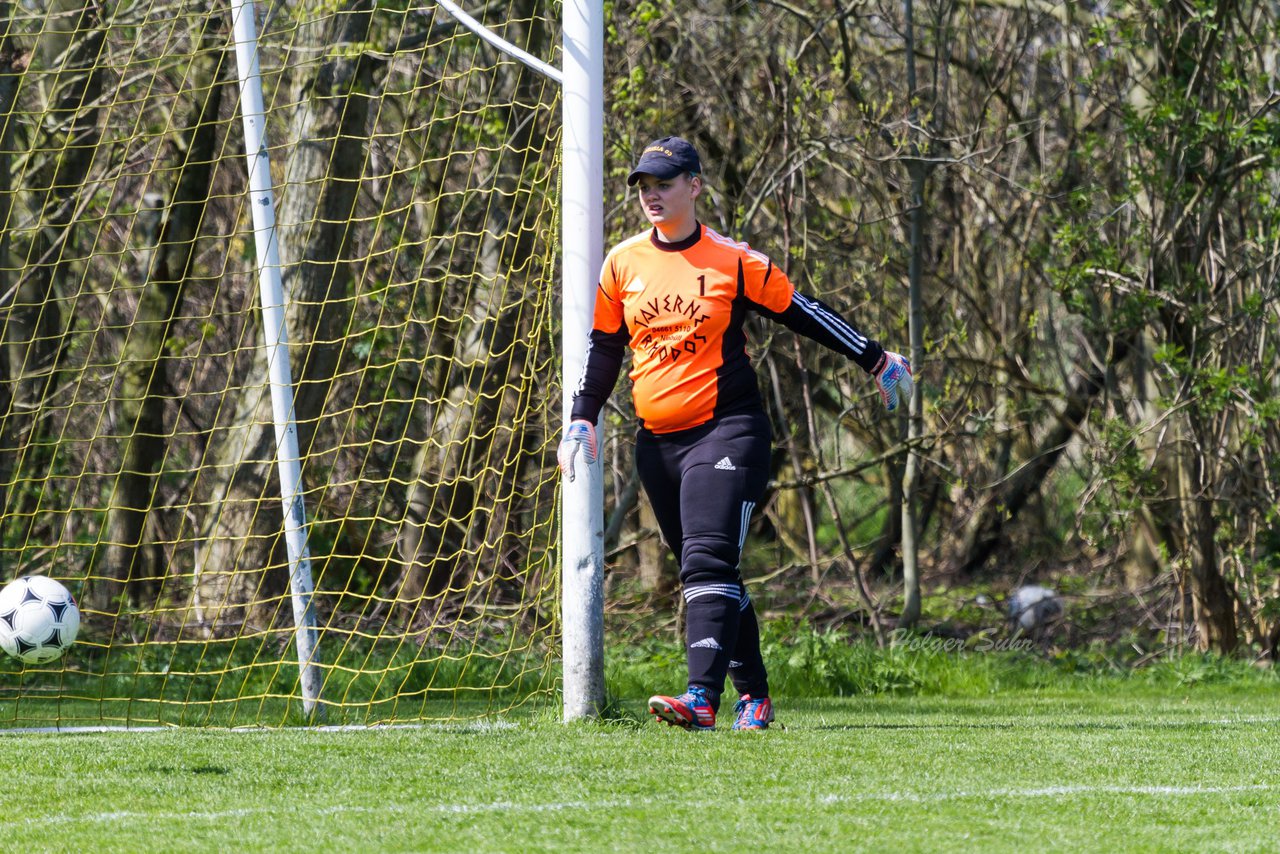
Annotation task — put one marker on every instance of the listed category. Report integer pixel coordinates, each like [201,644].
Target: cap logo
[665,158]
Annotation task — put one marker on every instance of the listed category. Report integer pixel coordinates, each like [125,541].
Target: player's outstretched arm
[815,319]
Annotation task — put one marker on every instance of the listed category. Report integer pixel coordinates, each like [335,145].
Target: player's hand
[893,378]
[580,436]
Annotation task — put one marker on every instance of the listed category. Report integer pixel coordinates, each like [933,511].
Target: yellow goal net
[415,175]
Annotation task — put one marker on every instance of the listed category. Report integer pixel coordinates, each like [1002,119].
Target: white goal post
[275,334]
[582,247]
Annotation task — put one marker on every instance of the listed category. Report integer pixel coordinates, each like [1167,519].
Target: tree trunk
[11,67]
[240,559]
[918,171]
[915,413]
[446,538]
[986,532]
[1212,600]
[654,576]
[60,158]
[460,521]
[119,562]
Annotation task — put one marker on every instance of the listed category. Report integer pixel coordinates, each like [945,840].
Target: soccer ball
[38,619]
[1034,607]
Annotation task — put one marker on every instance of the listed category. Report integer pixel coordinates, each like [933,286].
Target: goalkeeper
[678,295]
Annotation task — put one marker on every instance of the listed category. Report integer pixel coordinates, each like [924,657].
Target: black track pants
[703,484]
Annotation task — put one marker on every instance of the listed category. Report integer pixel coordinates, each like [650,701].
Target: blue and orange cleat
[691,710]
[753,713]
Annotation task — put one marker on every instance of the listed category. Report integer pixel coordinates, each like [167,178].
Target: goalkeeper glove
[893,378]
[580,436]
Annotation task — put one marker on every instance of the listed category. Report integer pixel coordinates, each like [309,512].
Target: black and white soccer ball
[38,619]
[1034,607]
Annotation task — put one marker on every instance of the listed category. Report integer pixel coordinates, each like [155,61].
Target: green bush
[807,662]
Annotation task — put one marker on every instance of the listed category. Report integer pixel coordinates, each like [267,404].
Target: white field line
[1259,719]
[472,726]
[1045,792]
[222,815]
[502,807]
[469,726]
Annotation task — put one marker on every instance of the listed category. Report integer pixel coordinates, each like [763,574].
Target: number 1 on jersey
[702,286]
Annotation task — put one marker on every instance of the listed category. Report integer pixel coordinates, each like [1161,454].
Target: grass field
[1131,768]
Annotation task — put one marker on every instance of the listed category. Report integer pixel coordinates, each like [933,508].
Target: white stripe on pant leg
[744,523]
[747,507]
[718,588]
[702,594]
[730,591]
[723,587]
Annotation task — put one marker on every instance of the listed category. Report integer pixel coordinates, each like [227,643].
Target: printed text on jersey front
[670,324]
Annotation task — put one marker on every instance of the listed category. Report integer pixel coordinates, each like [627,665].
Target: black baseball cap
[666,158]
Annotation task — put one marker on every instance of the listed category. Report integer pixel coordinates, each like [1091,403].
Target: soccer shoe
[691,710]
[753,713]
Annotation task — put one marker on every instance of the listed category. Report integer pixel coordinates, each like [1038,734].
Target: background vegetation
[1085,200]
[1065,213]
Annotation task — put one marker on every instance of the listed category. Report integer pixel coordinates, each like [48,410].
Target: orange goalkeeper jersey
[681,307]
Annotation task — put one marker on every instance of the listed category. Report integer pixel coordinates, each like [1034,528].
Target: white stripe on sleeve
[841,330]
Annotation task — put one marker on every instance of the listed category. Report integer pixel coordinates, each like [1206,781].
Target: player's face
[668,203]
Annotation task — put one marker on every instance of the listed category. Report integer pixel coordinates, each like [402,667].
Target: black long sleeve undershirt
[605,352]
